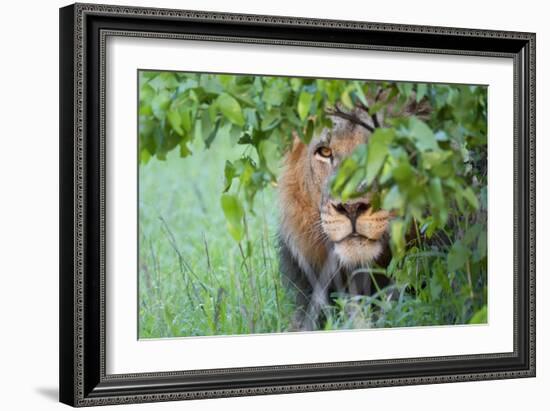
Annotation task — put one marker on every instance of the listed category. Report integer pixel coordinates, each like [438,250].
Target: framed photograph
[261,204]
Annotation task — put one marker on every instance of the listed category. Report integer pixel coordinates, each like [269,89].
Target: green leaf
[231,109]
[470,197]
[437,200]
[208,140]
[229,172]
[377,150]
[211,83]
[186,85]
[421,90]
[393,200]
[397,235]
[472,234]
[213,112]
[360,94]
[480,317]
[403,173]
[457,257]
[146,127]
[145,110]
[431,159]
[234,213]
[295,84]
[436,192]
[271,120]
[184,150]
[146,93]
[435,288]
[160,104]
[405,88]
[144,156]
[482,244]
[165,80]
[345,98]
[174,119]
[251,119]
[422,135]
[350,188]
[274,95]
[345,172]
[269,154]
[376,107]
[304,104]
[186,119]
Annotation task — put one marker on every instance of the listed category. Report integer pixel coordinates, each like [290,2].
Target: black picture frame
[83,29]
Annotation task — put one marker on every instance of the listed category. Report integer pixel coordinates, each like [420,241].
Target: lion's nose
[351,210]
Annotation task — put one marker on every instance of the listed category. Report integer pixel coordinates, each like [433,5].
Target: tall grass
[193,278]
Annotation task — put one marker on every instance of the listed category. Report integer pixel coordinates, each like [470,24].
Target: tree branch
[350,117]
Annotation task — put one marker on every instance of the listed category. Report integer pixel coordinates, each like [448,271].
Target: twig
[373,116]
[378,94]
[350,117]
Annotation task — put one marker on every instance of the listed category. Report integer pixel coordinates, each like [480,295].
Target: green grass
[195,280]
[193,277]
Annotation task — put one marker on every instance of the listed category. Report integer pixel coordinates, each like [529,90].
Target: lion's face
[322,237]
[356,232]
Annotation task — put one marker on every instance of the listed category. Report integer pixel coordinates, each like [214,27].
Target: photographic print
[272,204]
[276,187]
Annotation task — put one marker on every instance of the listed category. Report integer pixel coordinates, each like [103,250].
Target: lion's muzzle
[355,229]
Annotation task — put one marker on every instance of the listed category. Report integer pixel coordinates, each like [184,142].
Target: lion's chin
[354,252]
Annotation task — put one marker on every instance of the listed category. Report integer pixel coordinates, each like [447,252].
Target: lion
[326,244]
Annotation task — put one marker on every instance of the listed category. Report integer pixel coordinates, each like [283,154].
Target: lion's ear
[297,143]
[296,148]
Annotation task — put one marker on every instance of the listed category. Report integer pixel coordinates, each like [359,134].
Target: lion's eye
[325,152]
